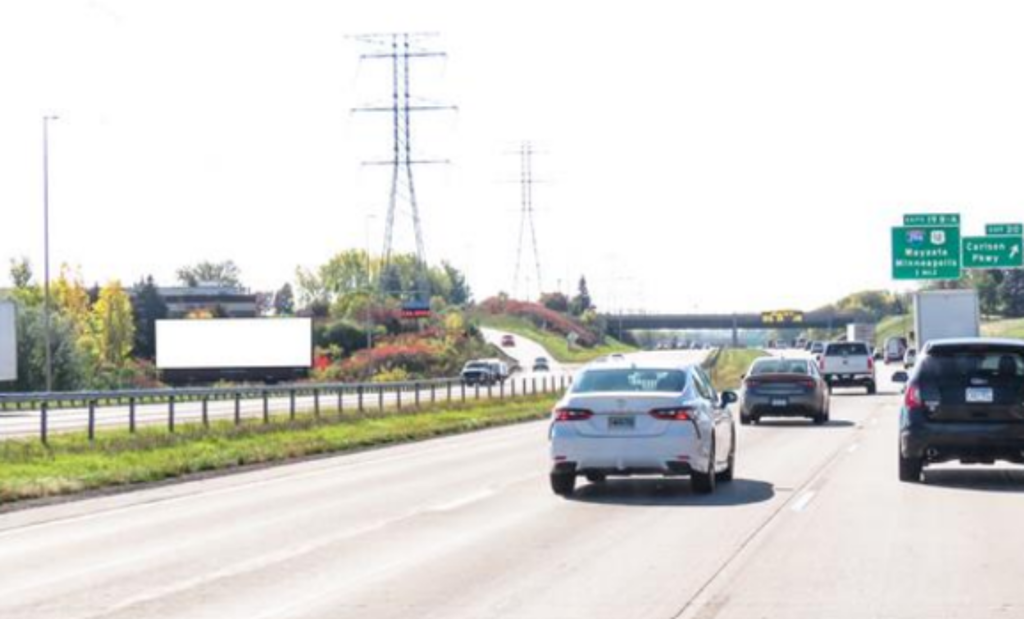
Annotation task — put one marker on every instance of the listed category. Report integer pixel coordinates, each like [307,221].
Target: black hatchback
[964,401]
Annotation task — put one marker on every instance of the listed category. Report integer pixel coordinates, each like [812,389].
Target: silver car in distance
[642,418]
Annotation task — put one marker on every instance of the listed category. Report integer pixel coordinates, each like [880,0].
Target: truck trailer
[265,350]
[8,342]
[941,314]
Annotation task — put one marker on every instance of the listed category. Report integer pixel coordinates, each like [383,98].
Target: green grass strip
[728,365]
[72,464]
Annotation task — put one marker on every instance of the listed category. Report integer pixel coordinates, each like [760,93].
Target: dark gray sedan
[783,388]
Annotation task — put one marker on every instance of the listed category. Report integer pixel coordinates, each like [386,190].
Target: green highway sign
[926,252]
[1004,230]
[993,252]
[932,220]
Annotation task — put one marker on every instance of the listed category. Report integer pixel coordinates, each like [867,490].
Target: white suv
[623,419]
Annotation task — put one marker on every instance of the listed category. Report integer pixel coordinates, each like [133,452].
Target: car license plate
[780,402]
[980,395]
[621,423]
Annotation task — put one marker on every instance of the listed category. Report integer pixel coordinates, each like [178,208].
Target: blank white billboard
[234,343]
[8,342]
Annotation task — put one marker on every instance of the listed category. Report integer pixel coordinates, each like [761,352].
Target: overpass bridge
[619,323]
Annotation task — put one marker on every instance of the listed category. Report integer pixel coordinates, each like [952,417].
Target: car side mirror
[900,377]
[729,397]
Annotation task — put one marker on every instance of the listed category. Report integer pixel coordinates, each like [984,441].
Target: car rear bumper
[967,442]
[676,452]
[849,380]
[768,405]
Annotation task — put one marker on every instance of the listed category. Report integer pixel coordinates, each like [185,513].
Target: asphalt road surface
[525,351]
[815,525]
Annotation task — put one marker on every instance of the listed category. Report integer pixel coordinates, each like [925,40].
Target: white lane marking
[853,448]
[455,504]
[803,501]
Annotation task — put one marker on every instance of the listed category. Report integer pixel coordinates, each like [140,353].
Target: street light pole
[46,250]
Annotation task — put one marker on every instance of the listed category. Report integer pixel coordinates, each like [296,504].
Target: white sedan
[642,418]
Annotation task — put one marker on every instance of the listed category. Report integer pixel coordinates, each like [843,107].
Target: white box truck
[940,314]
[8,342]
[234,349]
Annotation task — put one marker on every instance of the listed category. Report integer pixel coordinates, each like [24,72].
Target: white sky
[700,155]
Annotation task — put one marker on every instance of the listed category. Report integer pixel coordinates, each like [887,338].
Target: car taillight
[871,364]
[751,383]
[809,383]
[821,362]
[912,397]
[673,414]
[572,414]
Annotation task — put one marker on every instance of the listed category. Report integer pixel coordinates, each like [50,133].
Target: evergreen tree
[284,301]
[1011,293]
[460,292]
[581,303]
[148,307]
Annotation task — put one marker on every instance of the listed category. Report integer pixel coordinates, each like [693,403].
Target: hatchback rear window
[632,379]
[846,350]
[946,373]
[779,366]
[945,363]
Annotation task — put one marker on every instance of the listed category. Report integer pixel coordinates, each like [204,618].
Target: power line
[401,49]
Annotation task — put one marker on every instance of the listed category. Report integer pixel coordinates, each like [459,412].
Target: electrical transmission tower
[526,183]
[401,49]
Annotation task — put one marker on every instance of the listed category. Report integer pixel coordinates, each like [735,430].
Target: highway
[815,526]
[525,351]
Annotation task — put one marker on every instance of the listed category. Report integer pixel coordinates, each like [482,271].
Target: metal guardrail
[357,397]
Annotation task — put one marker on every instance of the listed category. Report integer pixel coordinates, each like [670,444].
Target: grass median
[71,464]
[729,365]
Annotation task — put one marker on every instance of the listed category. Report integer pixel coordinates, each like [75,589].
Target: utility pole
[526,219]
[46,251]
[401,49]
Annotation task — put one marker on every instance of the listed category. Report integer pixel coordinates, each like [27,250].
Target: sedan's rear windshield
[593,381]
[845,350]
[779,366]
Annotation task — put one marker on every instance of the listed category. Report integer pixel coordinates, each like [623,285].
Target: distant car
[541,364]
[630,418]
[479,372]
[817,348]
[784,388]
[895,349]
[508,340]
[909,358]
[848,364]
[485,372]
[962,402]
